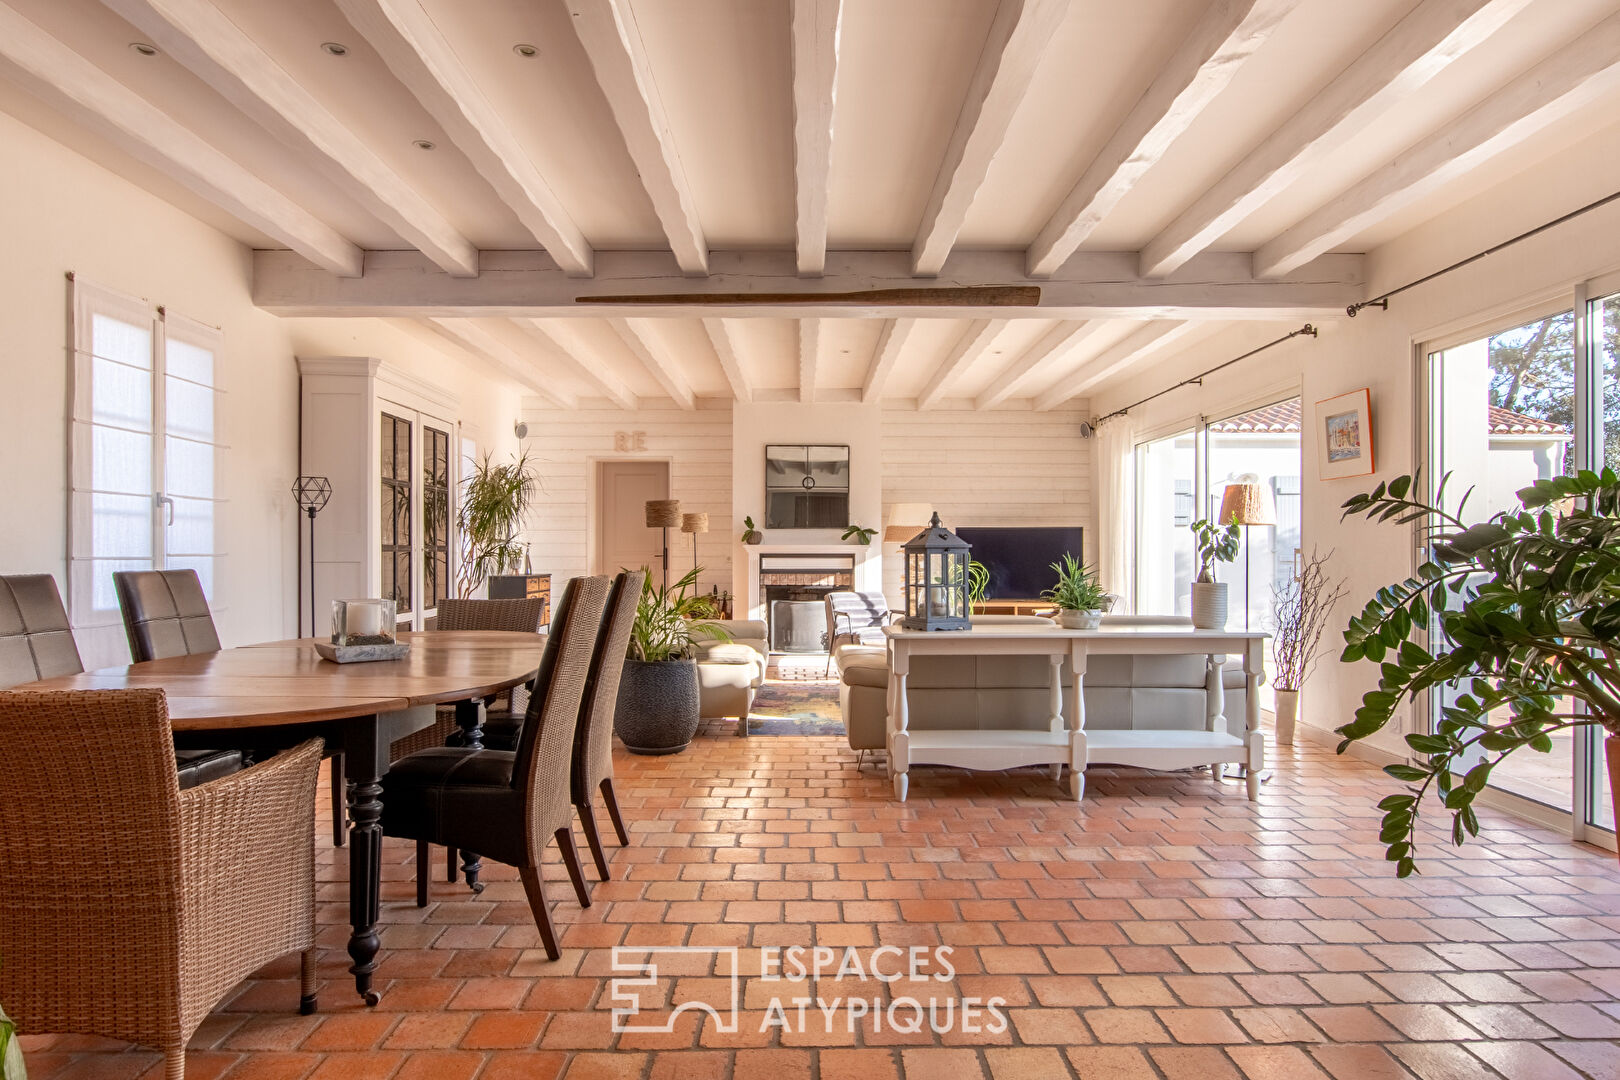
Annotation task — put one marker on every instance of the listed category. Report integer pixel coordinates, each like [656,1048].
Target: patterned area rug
[798,698]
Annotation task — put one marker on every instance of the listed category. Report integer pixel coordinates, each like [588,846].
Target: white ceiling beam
[89,96]
[1413,52]
[817,25]
[203,39]
[1018,37]
[637,336]
[1113,360]
[891,340]
[612,40]
[485,346]
[809,358]
[1060,339]
[1228,33]
[974,342]
[758,284]
[1570,80]
[415,50]
[725,350]
[591,371]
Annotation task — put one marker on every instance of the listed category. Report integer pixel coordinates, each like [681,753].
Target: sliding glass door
[1166,504]
[1530,401]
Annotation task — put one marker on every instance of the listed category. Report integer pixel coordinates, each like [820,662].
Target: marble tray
[355,654]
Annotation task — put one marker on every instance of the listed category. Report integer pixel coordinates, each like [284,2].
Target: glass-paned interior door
[1503,415]
[435,517]
[395,508]
[1166,503]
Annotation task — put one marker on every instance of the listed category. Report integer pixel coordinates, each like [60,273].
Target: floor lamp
[664,514]
[694,524]
[312,493]
[1246,503]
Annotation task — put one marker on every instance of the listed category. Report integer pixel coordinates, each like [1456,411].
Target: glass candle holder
[363,622]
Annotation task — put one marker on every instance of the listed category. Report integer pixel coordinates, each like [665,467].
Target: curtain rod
[1198,379]
[1382,301]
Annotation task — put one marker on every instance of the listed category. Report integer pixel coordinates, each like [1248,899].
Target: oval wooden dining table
[277,694]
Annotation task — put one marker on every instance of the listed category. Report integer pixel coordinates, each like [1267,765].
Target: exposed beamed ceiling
[640,201]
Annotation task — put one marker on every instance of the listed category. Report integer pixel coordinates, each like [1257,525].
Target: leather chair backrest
[165,614]
[593,740]
[36,641]
[521,614]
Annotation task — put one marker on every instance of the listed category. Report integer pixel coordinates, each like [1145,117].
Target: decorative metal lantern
[936,580]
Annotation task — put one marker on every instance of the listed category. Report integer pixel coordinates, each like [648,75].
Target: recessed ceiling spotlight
[422,144]
[336,48]
[143,48]
[528,51]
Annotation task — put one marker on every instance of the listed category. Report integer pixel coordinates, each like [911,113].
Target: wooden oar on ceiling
[950,296]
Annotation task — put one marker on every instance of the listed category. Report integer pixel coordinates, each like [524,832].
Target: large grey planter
[657,710]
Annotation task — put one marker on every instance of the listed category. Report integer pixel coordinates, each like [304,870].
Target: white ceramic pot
[1209,605]
[1287,715]
[1079,620]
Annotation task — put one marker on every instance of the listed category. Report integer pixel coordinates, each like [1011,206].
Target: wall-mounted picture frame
[1344,435]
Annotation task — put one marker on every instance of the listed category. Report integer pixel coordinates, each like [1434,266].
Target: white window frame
[88,301]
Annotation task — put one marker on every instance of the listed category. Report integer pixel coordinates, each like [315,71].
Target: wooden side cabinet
[523,587]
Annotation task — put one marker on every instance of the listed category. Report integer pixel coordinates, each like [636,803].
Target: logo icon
[636,991]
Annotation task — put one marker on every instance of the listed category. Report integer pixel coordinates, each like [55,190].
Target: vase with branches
[1304,605]
[494,503]
[1527,609]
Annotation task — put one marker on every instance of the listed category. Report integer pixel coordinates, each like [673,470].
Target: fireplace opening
[793,588]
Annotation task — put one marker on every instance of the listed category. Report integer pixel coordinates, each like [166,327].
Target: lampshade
[663,513]
[694,523]
[1248,503]
[905,520]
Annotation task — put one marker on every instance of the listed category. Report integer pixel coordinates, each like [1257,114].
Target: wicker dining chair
[506,805]
[130,906]
[593,738]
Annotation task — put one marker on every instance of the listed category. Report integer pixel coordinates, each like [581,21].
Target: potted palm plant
[1079,597]
[1527,605]
[493,505]
[657,709]
[1213,543]
[1304,605]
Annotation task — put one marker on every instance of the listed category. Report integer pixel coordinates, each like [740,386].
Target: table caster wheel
[372,997]
[306,1006]
[477,887]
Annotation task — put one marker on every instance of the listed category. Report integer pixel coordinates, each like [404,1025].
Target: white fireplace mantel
[868,569]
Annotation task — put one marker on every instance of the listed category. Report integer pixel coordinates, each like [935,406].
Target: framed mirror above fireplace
[806,486]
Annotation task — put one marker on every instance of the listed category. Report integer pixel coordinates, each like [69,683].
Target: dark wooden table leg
[365,759]
[470,719]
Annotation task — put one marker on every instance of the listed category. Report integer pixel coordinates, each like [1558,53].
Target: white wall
[62,213]
[1379,349]
[564,446]
[1003,467]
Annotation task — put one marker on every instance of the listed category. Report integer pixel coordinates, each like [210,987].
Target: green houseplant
[657,709]
[493,505]
[11,1062]
[860,535]
[750,534]
[1213,543]
[978,581]
[1528,608]
[1080,598]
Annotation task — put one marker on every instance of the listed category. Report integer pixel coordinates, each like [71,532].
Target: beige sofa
[730,673]
[958,692]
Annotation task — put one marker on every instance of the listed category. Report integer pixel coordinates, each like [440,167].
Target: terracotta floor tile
[1193,1063]
[942,1064]
[1022,1063]
[1275,1063]
[1200,1026]
[1111,1063]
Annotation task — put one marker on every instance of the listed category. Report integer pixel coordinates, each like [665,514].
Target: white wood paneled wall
[564,446]
[998,467]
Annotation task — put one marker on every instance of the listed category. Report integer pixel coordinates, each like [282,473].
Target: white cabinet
[387,442]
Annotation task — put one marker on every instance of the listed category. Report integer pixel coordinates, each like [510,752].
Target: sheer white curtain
[1116,454]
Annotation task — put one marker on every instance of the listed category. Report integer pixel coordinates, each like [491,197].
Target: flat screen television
[1020,558]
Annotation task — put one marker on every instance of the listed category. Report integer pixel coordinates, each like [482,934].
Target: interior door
[623,539]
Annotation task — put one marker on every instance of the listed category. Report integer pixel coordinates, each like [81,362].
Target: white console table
[1058,745]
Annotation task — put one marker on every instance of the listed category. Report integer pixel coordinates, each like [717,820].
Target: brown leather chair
[165,614]
[593,739]
[505,805]
[36,642]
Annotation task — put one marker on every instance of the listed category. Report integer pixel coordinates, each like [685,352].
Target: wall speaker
[520,429]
